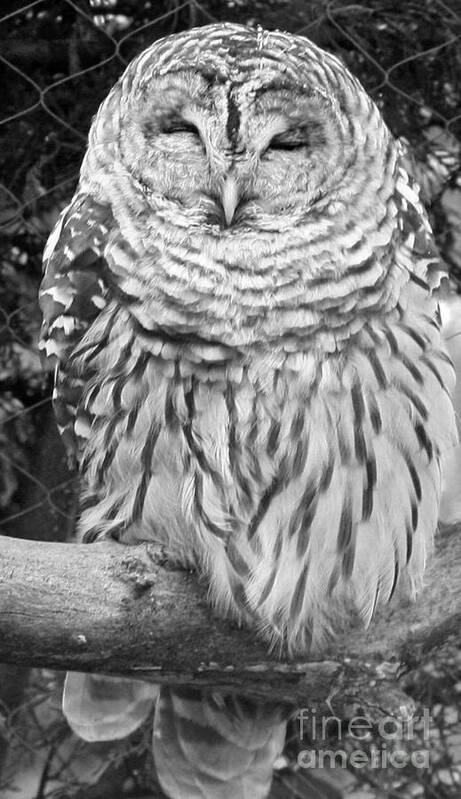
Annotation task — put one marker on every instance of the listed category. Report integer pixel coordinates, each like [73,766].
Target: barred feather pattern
[270,400]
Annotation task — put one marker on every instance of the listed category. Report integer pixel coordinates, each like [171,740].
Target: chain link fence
[58,59]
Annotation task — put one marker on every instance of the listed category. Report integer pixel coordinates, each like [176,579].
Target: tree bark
[124,610]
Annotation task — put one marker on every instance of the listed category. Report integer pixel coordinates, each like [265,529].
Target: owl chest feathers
[299,484]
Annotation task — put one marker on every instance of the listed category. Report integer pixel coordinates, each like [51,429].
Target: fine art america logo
[385,738]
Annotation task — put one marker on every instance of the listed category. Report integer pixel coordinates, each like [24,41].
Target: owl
[239,304]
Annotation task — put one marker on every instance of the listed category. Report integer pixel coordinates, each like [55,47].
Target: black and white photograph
[230,399]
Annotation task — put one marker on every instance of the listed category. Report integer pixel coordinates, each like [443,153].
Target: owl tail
[100,708]
[207,746]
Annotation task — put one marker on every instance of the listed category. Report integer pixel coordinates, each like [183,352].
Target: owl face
[239,129]
[247,172]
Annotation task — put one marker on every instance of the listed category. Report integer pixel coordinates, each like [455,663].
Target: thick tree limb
[110,608]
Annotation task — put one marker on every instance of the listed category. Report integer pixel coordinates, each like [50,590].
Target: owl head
[231,129]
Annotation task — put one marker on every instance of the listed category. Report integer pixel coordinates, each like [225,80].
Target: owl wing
[76,288]
[73,292]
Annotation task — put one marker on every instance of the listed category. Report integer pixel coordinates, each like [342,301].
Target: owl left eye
[286,144]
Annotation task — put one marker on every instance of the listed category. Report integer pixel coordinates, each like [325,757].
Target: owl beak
[229,198]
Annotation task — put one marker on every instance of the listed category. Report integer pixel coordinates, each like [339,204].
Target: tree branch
[110,608]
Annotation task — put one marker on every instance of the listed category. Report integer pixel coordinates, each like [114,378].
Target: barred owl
[249,368]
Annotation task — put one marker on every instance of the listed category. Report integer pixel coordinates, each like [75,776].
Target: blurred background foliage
[58,59]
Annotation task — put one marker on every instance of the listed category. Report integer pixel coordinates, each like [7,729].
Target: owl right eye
[180,127]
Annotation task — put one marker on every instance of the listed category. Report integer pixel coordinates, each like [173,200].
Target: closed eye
[286,144]
[180,127]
